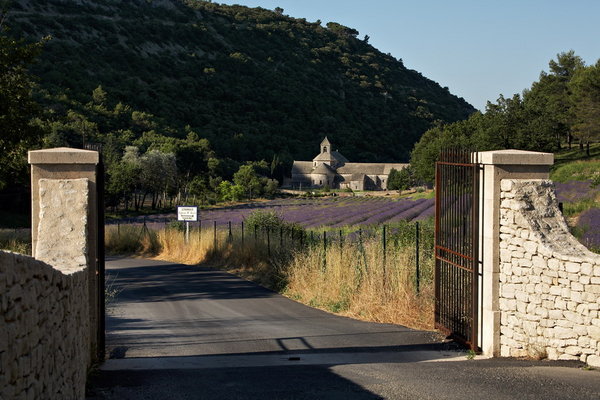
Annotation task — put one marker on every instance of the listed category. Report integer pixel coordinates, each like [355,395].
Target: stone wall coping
[515,157]
[63,155]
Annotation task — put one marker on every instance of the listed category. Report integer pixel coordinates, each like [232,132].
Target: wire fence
[416,237]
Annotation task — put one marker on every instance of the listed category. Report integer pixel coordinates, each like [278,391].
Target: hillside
[255,83]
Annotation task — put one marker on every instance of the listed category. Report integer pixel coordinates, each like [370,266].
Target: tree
[585,98]
[17,106]
[400,180]
[547,102]
[247,178]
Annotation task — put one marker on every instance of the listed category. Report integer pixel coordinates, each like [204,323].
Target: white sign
[187,213]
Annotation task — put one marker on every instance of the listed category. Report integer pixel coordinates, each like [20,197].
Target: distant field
[327,212]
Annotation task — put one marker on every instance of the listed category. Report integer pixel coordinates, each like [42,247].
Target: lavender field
[581,202]
[331,212]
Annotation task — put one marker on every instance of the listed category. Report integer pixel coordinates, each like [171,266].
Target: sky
[479,49]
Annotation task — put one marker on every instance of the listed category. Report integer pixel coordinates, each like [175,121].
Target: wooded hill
[255,83]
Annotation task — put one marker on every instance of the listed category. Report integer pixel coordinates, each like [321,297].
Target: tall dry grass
[16,240]
[356,280]
[351,278]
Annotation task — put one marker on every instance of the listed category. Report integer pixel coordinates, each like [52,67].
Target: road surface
[190,332]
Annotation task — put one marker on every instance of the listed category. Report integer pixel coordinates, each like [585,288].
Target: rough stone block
[586,268]
[521,296]
[539,262]
[592,289]
[584,280]
[573,350]
[594,332]
[572,267]
[508,291]
[63,206]
[593,360]
[505,255]
[524,262]
[568,357]
[506,185]
[530,246]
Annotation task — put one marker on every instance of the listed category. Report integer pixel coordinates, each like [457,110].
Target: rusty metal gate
[100,262]
[456,246]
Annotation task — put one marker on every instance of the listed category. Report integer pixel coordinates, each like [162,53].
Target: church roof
[357,177]
[323,169]
[302,167]
[369,168]
[325,142]
[338,156]
[334,155]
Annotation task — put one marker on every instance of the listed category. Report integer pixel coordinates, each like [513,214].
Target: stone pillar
[58,177]
[498,165]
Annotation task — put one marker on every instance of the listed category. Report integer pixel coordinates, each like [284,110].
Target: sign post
[187,214]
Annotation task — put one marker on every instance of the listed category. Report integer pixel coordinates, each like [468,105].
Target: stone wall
[549,282]
[46,342]
[44,333]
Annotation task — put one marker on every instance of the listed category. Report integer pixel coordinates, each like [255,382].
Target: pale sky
[478,48]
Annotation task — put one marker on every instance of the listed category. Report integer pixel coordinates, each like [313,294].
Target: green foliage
[563,103]
[577,171]
[254,83]
[401,180]
[177,226]
[17,106]
[269,220]
[264,220]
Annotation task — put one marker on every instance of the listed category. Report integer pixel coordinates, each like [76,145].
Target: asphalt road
[189,332]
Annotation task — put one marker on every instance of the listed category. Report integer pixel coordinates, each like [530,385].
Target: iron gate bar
[456,246]
[454,252]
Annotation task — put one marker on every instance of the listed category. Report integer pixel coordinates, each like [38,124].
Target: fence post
[417,272]
[242,234]
[200,231]
[119,230]
[341,243]
[215,234]
[324,250]
[280,237]
[255,236]
[230,236]
[269,242]
[384,242]
[312,238]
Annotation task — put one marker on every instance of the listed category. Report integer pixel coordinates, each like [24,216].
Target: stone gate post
[498,165]
[53,172]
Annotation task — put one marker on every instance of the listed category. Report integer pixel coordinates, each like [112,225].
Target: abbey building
[330,168]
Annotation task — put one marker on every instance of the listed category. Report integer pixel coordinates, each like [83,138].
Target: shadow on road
[175,282]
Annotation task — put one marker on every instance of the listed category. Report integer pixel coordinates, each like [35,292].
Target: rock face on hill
[254,82]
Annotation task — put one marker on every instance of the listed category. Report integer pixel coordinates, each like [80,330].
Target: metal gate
[100,282]
[456,246]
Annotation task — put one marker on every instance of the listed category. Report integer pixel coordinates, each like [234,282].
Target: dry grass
[350,280]
[16,240]
[354,281]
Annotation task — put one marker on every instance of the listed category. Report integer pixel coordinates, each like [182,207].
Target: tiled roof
[323,169]
[369,168]
[338,156]
[302,167]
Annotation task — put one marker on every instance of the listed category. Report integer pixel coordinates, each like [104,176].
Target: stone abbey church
[332,169]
